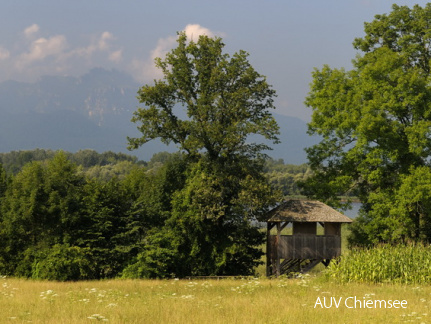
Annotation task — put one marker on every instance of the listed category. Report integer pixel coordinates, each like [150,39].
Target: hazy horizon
[286,39]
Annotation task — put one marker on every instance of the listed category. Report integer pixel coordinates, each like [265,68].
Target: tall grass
[405,264]
[203,301]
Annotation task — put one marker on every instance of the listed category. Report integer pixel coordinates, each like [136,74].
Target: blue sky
[285,39]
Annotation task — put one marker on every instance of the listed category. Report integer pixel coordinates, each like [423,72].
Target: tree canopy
[375,121]
[209,103]
[62,221]
[225,101]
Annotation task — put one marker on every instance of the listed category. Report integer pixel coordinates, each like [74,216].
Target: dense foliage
[57,222]
[286,177]
[375,122]
[208,103]
[60,222]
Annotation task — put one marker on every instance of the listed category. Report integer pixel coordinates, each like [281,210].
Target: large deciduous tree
[375,123]
[208,104]
[225,101]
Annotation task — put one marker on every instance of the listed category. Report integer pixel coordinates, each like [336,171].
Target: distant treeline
[286,177]
[106,165]
[14,161]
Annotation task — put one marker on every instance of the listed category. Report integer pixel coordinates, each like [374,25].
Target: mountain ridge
[94,111]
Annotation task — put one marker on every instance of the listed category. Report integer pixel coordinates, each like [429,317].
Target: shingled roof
[296,210]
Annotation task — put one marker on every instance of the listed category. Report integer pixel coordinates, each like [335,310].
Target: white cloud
[31,30]
[116,56]
[164,45]
[38,53]
[42,48]
[4,54]
[142,71]
[103,43]
[55,55]
[146,70]
[193,31]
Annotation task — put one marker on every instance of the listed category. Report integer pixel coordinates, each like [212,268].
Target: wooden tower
[303,249]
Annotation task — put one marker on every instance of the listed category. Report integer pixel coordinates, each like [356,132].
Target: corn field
[404,264]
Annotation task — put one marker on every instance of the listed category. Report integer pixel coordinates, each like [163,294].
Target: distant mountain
[94,111]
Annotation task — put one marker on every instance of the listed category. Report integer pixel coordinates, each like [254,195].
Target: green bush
[62,263]
[157,260]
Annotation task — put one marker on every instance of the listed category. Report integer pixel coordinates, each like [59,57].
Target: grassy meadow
[251,300]
[205,301]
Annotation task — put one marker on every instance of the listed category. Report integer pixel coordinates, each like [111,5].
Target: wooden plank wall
[306,246]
